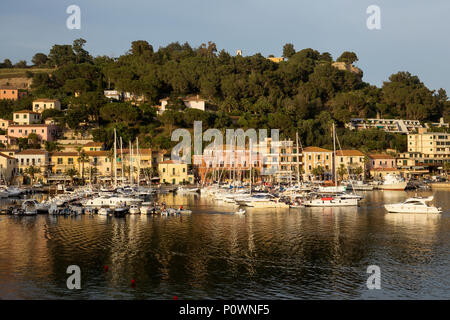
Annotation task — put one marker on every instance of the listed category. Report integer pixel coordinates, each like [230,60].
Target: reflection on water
[308,253]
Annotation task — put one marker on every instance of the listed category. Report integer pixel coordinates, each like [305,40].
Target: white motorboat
[262,201]
[359,186]
[146,208]
[111,201]
[413,205]
[187,190]
[14,191]
[105,211]
[40,207]
[331,201]
[393,182]
[29,208]
[134,209]
[332,189]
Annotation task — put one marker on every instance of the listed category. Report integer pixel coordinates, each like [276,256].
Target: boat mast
[115,158]
[334,156]
[298,160]
[250,159]
[131,161]
[138,163]
[121,161]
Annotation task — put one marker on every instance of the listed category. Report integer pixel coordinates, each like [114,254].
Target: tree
[81,55]
[288,50]
[7,63]
[61,55]
[21,64]
[82,159]
[318,171]
[141,48]
[358,171]
[39,59]
[348,57]
[32,171]
[341,171]
[71,172]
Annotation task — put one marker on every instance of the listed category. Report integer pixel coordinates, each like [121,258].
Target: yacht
[359,186]
[332,189]
[134,209]
[413,205]
[332,201]
[40,207]
[393,182]
[111,201]
[263,200]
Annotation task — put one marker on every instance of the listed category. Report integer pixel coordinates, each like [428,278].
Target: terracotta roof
[171,162]
[315,149]
[380,156]
[384,169]
[9,150]
[93,144]
[97,153]
[141,151]
[63,154]
[45,100]
[6,156]
[26,111]
[31,125]
[32,151]
[346,153]
[8,88]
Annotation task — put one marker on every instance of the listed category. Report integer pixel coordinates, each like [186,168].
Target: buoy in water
[133,283]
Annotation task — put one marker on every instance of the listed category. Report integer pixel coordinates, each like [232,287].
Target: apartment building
[434,146]
[26,117]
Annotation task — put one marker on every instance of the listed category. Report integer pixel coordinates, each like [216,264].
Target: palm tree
[32,171]
[318,171]
[82,158]
[358,171]
[342,171]
[71,172]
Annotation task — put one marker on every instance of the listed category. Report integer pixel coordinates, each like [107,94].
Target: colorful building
[11,93]
[40,105]
[8,168]
[378,165]
[352,160]
[174,172]
[45,132]
[313,157]
[26,117]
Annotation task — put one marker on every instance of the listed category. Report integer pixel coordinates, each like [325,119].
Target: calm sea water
[309,253]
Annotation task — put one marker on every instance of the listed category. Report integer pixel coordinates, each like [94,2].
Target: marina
[195,246]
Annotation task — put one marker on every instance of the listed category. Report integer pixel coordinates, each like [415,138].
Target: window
[184,170]
[70,161]
[60,161]
[164,170]
[173,170]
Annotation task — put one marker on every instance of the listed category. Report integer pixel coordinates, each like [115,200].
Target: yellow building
[352,160]
[93,146]
[434,146]
[314,157]
[174,172]
[8,168]
[40,105]
[96,165]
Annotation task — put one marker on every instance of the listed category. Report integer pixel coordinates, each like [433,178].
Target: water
[309,253]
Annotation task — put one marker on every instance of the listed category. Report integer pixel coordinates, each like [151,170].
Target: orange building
[11,93]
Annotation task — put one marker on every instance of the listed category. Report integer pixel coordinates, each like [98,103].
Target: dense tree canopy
[305,93]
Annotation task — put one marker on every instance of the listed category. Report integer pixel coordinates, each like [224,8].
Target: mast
[115,158]
[121,161]
[334,156]
[298,160]
[131,161]
[138,163]
[250,159]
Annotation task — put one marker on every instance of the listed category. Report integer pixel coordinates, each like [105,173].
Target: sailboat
[333,200]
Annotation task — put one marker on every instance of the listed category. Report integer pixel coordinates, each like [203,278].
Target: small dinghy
[134,209]
[105,211]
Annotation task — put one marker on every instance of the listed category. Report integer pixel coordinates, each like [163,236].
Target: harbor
[266,253]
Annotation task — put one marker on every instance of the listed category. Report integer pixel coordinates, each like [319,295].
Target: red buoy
[133,283]
[106,268]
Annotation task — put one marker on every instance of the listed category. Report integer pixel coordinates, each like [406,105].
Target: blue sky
[413,35]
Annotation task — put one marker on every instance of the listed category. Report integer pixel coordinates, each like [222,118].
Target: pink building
[381,161]
[46,132]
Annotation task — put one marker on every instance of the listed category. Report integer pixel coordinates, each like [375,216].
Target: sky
[413,34]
